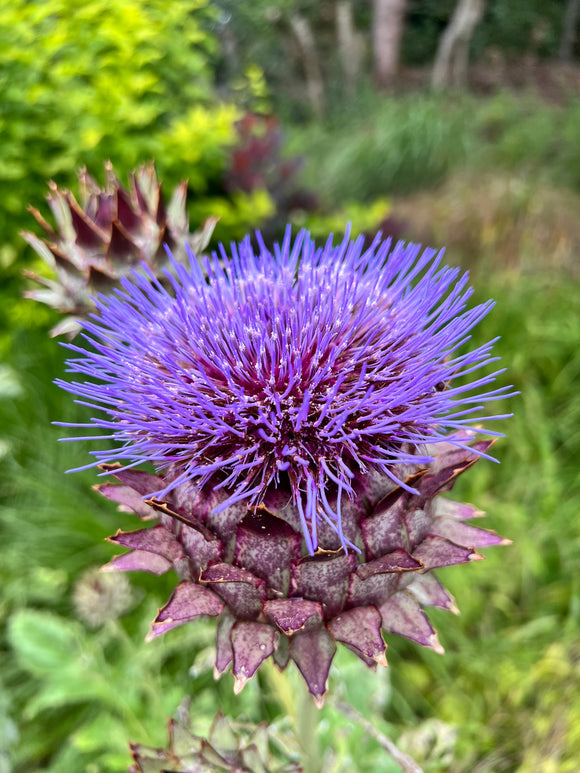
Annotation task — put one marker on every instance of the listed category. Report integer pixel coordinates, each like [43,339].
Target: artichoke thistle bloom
[302,411]
[110,232]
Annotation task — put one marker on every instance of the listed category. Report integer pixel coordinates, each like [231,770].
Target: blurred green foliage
[362,216]
[509,681]
[81,82]
[129,80]
[385,145]
[526,132]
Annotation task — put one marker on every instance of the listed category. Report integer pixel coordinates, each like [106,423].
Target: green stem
[306,724]
[298,704]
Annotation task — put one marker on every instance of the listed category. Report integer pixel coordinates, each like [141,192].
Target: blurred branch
[568,38]
[407,764]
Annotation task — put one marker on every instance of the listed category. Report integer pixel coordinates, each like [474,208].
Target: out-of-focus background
[451,123]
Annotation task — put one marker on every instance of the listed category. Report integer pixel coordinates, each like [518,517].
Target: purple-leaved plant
[304,408]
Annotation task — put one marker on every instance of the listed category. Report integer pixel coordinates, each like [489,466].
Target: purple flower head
[301,368]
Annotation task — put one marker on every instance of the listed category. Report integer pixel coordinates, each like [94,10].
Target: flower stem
[306,724]
[290,690]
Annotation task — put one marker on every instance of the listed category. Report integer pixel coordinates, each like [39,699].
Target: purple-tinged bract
[104,236]
[303,411]
[300,369]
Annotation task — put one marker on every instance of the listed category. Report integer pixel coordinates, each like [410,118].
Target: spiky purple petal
[242,592]
[187,602]
[323,578]
[266,546]
[252,643]
[292,615]
[301,364]
[465,535]
[138,561]
[224,653]
[313,652]
[402,614]
[155,540]
[360,630]
[127,499]
[430,593]
[436,552]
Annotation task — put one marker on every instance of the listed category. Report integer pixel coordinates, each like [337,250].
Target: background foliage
[130,80]
[494,177]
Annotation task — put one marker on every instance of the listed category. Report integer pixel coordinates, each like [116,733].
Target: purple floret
[301,368]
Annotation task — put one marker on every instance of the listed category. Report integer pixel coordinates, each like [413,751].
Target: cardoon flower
[304,409]
[105,236]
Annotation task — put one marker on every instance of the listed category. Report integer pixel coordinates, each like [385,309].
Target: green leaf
[77,686]
[43,642]
[105,732]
